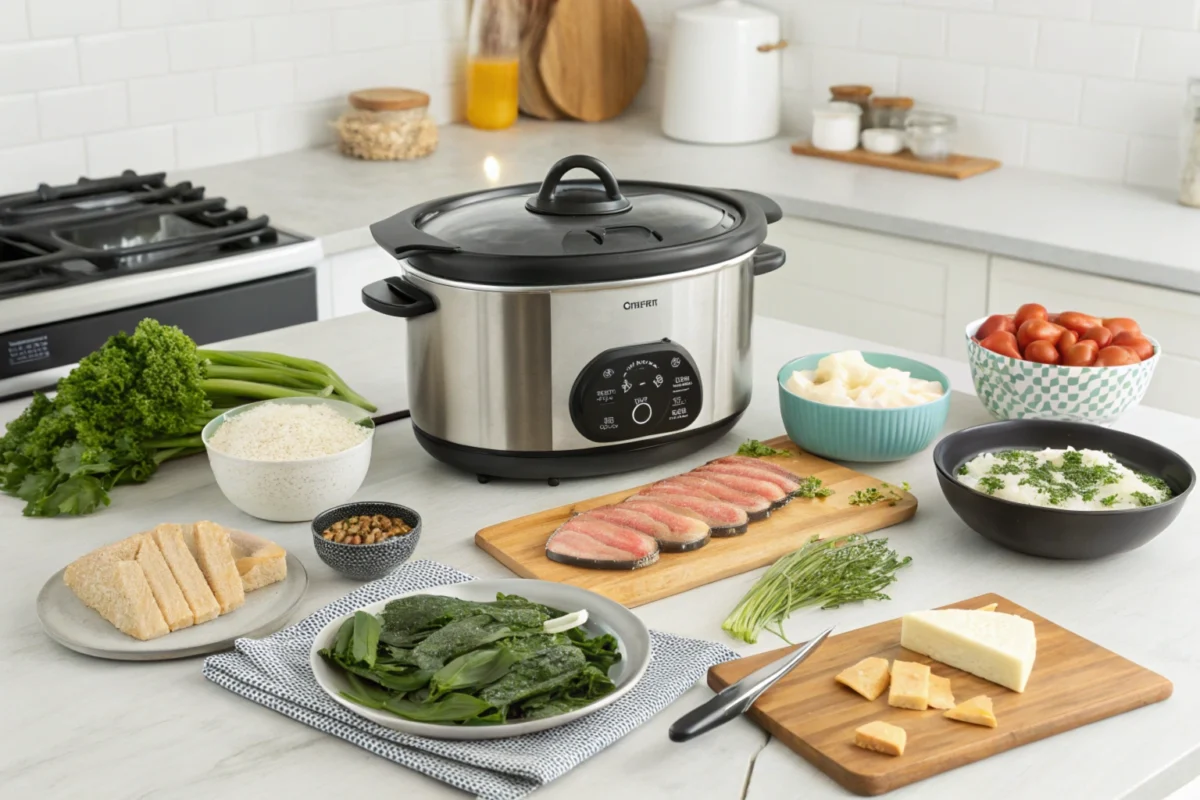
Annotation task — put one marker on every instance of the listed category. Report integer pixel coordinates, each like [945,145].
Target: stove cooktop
[98,229]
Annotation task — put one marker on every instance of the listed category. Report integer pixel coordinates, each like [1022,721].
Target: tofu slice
[940,694]
[988,607]
[977,711]
[210,545]
[110,581]
[881,737]
[910,685]
[992,645]
[868,677]
[259,561]
[179,558]
[166,590]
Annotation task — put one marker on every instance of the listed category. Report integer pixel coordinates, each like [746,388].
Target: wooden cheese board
[956,166]
[520,544]
[1074,682]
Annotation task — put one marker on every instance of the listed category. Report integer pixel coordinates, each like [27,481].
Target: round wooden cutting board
[533,98]
[594,57]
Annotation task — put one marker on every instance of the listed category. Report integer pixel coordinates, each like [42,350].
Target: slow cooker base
[573,463]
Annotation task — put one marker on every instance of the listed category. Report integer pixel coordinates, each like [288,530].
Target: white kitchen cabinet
[343,276]
[907,293]
[1171,317]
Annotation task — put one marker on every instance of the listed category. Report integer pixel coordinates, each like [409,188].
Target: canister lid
[891,102]
[388,99]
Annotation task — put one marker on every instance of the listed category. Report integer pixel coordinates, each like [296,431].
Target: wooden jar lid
[850,90]
[388,99]
[891,102]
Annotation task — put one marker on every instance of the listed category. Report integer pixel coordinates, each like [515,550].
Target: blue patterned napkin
[274,672]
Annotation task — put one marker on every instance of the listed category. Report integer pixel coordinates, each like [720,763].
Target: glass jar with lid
[387,125]
[890,112]
[853,93]
[1189,184]
[930,134]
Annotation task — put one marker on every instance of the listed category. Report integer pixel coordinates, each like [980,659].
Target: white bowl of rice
[287,460]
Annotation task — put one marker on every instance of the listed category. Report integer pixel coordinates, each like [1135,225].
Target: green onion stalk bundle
[826,573]
[138,401]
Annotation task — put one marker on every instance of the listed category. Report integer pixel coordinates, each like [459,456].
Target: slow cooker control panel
[630,392]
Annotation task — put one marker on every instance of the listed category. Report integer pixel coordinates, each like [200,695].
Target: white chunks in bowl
[1070,479]
[846,379]
[286,432]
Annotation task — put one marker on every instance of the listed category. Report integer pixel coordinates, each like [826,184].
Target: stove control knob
[642,412]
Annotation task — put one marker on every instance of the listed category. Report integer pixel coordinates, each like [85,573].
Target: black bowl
[366,562]
[1056,532]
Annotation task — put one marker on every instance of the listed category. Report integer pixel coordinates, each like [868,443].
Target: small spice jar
[853,93]
[890,112]
[387,125]
[930,135]
[836,126]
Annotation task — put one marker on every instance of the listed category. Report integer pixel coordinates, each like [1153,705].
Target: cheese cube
[868,677]
[994,646]
[940,695]
[977,711]
[881,737]
[910,686]
[988,607]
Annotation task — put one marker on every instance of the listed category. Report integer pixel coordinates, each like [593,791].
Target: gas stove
[83,261]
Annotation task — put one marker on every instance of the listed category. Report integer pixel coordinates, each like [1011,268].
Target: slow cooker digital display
[630,392]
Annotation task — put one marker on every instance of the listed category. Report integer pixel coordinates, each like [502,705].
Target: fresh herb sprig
[825,573]
[885,494]
[811,487]
[756,449]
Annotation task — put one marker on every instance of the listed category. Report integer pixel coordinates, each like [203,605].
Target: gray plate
[69,622]
[604,616]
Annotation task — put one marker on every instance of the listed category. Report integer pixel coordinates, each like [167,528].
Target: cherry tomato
[1037,329]
[1029,311]
[996,322]
[1002,342]
[1067,341]
[1075,321]
[1118,324]
[1081,354]
[1135,342]
[1042,351]
[1100,335]
[1113,356]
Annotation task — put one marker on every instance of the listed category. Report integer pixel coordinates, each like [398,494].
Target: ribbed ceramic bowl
[1010,388]
[366,562]
[863,434]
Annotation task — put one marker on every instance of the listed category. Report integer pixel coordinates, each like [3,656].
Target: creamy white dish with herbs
[1077,480]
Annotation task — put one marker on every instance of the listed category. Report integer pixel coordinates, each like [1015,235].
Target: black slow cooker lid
[572,232]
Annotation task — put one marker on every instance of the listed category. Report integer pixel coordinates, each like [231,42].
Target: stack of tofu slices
[174,576]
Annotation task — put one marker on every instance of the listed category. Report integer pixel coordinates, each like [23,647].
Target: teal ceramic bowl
[843,433]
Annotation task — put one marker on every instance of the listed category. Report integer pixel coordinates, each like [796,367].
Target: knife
[735,699]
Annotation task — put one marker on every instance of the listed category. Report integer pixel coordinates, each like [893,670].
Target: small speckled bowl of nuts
[366,540]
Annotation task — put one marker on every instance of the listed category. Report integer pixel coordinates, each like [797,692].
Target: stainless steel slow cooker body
[546,380]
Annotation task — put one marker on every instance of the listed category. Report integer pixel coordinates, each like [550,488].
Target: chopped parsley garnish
[1071,477]
[755,449]
[963,470]
[811,487]
[1108,501]
[1144,499]
[990,484]
[866,497]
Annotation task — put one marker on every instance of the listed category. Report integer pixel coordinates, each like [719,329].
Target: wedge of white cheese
[996,647]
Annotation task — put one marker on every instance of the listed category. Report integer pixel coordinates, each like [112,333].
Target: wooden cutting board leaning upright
[533,98]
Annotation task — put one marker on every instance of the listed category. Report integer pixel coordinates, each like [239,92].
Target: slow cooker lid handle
[578,200]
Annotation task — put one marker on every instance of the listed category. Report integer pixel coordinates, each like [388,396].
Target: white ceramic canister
[722,82]
[836,126]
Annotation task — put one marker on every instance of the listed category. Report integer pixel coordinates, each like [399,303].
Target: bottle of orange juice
[492,59]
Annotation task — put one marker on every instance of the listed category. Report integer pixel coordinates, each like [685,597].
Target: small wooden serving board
[520,544]
[1074,682]
[956,166]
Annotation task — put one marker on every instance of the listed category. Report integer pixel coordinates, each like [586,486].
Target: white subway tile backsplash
[1042,96]
[140,149]
[1169,56]
[368,28]
[13,23]
[1083,49]
[992,137]
[1153,161]
[211,45]
[35,65]
[1052,9]
[155,13]
[170,98]
[216,140]
[831,67]
[1130,107]
[122,55]
[448,103]
[254,87]
[52,18]
[822,23]
[991,39]
[972,5]
[432,20]
[796,66]
[437,63]
[23,168]
[18,120]
[902,30]
[942,83]
[1179,14]
[316,5]
[295,36]
[1076,151]
[287,128]
[81,110]
[233,9]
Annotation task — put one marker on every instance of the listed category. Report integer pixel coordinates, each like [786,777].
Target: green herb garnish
[756,449]
[1108,501]
[1143,499]
[811,487]
[1070,478]
[962,470]
[866,497]
[990,484]
[821,573]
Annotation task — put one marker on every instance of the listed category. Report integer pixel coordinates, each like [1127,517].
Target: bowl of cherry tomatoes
[1035,364]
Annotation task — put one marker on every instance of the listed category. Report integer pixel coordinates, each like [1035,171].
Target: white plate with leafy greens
[475,660]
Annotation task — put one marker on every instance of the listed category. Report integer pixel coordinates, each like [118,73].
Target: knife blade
[736,699]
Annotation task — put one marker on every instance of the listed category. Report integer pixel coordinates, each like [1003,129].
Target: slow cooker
[576,327]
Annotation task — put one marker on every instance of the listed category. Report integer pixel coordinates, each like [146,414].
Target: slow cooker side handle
[397,297]
[768,258]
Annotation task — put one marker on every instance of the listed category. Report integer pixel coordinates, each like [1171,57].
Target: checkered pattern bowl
[1013,389]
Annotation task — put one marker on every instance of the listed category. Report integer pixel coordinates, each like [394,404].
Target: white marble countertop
[1090,226]
[75,726]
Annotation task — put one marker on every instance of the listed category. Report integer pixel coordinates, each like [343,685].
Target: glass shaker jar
[890,112]
[853,93]
[930,135]
[1189,184]
[492,58]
